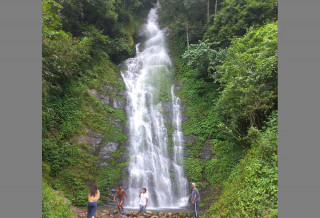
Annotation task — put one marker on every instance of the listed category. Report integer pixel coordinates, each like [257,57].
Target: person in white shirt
[143,199]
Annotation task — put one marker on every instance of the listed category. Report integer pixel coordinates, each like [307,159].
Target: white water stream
[153,165]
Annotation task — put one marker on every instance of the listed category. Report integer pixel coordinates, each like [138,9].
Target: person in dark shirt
[195,198]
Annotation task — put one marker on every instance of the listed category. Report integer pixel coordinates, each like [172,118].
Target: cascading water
[155,159]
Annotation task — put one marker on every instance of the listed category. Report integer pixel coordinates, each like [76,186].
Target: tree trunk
[188,43]
[188,35]
[208,11]
[215,8]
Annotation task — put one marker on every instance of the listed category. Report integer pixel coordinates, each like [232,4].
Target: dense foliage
[251,189]
[228,72]
[54,204]
[82,41]
[225,56]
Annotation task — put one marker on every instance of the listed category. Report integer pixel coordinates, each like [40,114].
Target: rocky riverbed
[109,212]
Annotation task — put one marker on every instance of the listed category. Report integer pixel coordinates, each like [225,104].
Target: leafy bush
[236,16]
[193,168]
[227,154]
[252,188]
[54,204]
[248,78]
[64,59]
[57,155]
[203,58]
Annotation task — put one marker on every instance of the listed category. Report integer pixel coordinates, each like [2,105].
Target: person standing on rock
[143,199]
[120,192]
[195,198]
[93,197]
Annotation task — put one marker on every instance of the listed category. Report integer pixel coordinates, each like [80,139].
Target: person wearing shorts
[121,193]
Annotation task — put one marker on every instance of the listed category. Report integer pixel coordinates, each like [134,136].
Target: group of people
[143,195]
[94,196]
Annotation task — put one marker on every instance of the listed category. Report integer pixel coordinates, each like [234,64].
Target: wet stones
[81,212]
[206,152]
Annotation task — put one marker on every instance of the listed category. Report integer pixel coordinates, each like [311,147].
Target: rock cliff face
[113,98]
[105,145]
[109,146]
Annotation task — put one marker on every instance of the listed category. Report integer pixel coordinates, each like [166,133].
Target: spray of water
[155,158]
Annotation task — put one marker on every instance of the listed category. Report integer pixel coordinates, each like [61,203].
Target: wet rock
[167,111]
[118,104]
[108,87]
[94,93]
[178,87]
[206,150]
[104,99]
[93,139]
[109,147]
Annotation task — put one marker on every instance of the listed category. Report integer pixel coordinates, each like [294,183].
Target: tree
[215,7]
[208,11]
[236,16]
[248,78]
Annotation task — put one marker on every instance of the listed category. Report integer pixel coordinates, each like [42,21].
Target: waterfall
[155,153]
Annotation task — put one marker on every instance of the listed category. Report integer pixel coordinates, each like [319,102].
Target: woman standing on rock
[93,197]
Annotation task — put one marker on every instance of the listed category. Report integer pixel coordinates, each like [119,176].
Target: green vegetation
[54,204]
[82,41]
[228,72]
[252,187]
[237,16]
[225,57]
[170,130]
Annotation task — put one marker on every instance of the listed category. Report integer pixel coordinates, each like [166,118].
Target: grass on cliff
[55,204]
[251,190]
